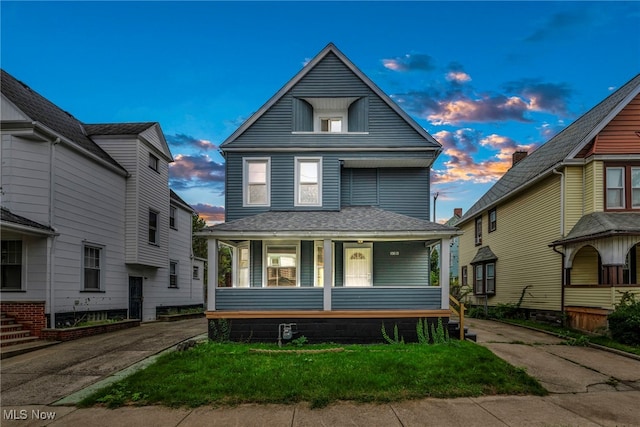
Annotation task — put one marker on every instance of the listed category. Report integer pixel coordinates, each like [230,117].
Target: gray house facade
[327,207]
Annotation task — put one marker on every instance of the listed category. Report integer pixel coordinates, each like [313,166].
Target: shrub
[624,321]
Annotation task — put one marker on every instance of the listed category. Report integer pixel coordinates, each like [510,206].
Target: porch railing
[459,311]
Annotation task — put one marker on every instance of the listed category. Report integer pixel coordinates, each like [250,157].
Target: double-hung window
[154,219]
[493,220]
[622,187]
[484,279]
[308,181]
[11,265]
[92,267]
[173,274]
[256,181]
[282,265]
[478,231]
[172,217]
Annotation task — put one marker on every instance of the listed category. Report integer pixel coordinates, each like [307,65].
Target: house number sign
[394,253]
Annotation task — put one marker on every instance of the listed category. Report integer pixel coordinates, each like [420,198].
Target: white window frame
[237,283]
[478,230]
[156,229]
[173,217]
[23,265]
[318,248]
[266,245]
[245,181]
[633,189]
[101,263]
[176,273]
[195,272]
[154,162]
[298,163]
[620,189]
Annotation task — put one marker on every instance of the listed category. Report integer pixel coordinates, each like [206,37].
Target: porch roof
[366,222]
[21,224]
[602,224]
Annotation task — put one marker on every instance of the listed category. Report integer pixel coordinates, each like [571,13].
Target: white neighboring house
[89,227]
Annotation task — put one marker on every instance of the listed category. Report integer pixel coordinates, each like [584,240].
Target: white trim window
[256,180]
[635,187]
[173,274]
[615,188]
[308,175]
[154,220]
[243,265]
[281,264]
[172,217]
[12,264]
[331,124]
[196,273]
[92,267]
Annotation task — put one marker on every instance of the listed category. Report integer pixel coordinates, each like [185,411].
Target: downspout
[562,270]
[50,240]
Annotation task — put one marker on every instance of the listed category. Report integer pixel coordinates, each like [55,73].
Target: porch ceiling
[364,222]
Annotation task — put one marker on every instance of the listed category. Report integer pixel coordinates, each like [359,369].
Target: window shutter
[358,115]
[302,116]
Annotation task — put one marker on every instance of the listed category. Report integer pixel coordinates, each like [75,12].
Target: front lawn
[215,374]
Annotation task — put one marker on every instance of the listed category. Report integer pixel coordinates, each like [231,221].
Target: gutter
[562,269]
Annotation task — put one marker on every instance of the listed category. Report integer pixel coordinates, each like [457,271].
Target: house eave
[328,234]
[594,236]
[25,229]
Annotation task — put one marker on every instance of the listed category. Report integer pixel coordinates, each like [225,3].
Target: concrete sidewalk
[588,387]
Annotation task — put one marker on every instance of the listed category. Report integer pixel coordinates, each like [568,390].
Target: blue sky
[484,78]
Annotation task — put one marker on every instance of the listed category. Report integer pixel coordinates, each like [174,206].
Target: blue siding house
[327,214]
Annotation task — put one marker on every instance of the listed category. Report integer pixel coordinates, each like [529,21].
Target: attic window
[331,124]
[153,162]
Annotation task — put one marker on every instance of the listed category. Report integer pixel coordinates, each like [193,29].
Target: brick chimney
[457,212]
[517,157]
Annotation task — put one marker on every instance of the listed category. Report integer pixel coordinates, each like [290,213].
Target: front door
[135,297]
[358,265]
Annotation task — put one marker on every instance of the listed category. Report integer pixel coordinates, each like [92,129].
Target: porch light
[360,242]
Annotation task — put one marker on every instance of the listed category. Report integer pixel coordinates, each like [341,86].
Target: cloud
[460,146]
[410,62]
[550,97]
[485,109]
[559,25]
[185,141]
[209,213]
[454,102]
[189,171]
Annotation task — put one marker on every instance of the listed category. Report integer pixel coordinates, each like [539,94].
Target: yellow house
[560,231]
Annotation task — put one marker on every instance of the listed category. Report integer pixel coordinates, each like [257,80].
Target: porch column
[212,277]
[328,274]
[444,272]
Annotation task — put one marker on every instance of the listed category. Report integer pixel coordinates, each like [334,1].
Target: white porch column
[212,277]
[444,272]
[328,274]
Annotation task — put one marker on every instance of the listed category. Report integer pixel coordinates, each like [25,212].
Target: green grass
[576,336]
[229,374]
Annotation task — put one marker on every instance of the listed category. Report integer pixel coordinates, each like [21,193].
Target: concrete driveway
[44,376]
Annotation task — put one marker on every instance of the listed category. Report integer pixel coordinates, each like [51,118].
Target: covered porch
[329,271]
[601,263]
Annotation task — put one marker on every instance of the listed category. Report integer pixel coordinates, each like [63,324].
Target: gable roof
[565,145]
[40,109]
[330,49]
[353,221]
[149,132]
[174,198]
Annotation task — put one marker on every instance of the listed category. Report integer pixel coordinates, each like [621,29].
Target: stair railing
[459,312]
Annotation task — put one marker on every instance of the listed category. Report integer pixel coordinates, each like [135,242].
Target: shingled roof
[602,224]
[9,218]
[551,154]
[118,128]
[355,220]
[40,109]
